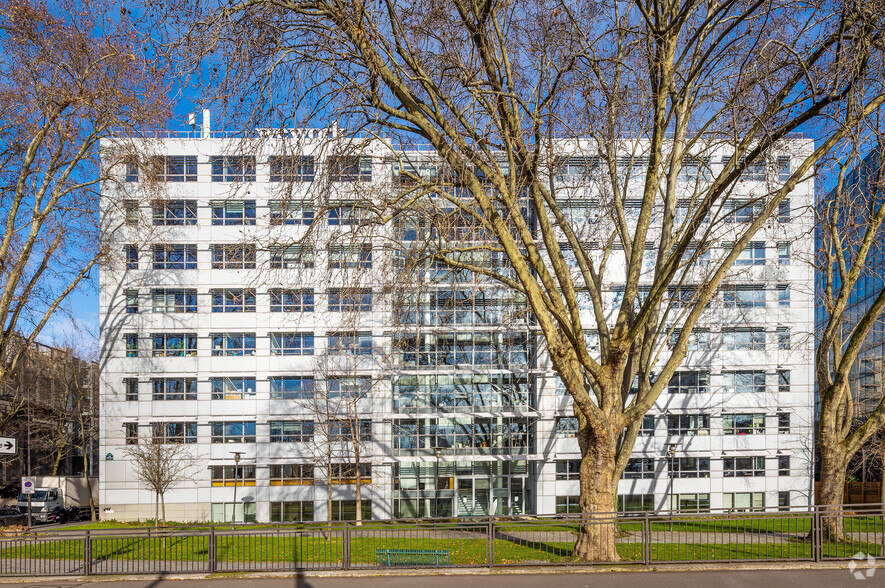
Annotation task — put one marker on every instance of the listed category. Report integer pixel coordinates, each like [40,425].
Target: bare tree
[161,466]
[502,92]
[851,240]
[74,73]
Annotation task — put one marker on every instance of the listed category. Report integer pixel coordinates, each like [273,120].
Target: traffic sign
[29,485]
[8,446]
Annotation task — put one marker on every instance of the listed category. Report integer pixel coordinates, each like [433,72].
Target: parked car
[63,515]
[9,511]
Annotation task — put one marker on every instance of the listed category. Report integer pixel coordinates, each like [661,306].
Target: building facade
[249,310]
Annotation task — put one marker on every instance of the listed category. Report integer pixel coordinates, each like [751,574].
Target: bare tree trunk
[831,490]
[359,475]
[163,502]
[596,536]
[92,505]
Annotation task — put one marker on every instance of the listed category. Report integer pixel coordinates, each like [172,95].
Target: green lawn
[467,551]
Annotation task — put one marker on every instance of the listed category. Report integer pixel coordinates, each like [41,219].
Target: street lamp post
[233,514]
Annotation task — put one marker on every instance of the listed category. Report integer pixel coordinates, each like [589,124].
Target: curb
[514,571]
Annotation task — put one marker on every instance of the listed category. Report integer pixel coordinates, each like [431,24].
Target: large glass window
[291,387]
[690,503]
[291,343]
[688,424]
[346,474]
[225,512]
[743,424]
[173,300]
[232,388]
[233,256]
[292,257]
[174,344]
[349,168]
[233,212]
[171,257]
[291,168]
[744,296]
[464,348]
[350,256]
[290,300]
[174,168]
[743,467]
[744,339]
[174,388]
[692,382]
[635,502]
[463,435]
[350,300]
[568,469]
[233,432]
[691,467]
[233,344]
[174,212]
[291,474]
[753,253]
[233,168]
[348,386]
[130,341]
[174,432]
[291,511]
[744,382]
[350,343]
[291,212]
[233,475]
[639,468]
[345,510]
[461,393]
[291,431]
[743,501]
[233,299]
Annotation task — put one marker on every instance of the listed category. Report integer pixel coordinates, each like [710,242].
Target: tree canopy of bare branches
[501,91]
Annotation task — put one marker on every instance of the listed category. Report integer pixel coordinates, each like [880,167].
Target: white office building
[244,293]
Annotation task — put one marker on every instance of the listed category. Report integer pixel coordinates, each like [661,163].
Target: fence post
[490,544]
[213,552]
[87,555]
[646,539]
[816,535]
[345,543]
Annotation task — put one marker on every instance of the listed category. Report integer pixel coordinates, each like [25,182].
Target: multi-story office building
[249,295]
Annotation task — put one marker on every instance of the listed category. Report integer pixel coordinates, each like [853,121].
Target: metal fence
[815,534]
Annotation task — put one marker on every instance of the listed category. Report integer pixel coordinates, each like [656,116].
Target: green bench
[412,557]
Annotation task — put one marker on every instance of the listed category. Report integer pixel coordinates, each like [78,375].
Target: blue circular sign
[28,483]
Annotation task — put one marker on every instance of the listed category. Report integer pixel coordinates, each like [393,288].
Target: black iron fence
[815,534]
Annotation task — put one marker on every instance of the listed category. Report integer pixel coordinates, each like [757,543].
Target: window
[233,475]
[690,502]
[345,510]
[568,469]
[130,208]
[741,210]
[291,512]
[783,252]
[783,500]
[233,212]
[783,380]
[350,300]
[783,338]
[291,431]
[292,257]
[349,386]
[291,168]
[783,211]
[744,339]
[635,502]
[753,253]
[743,424]
[698,339]
[291,474]
[783,295]
[744,382]
[178,432]
[748,296]
[350,256]
[783,168]
[783,423]
[566,427]
[131,254]
[743,467]
[175,257]
[350,343]
[347,214]
[343,431]
[174,344]
[130,388]
[233,344]
[131,171]
[290,212]
[131,343]
[346,473]
[288,300]
[174,388]
[233,300]
[693,382]
[232,388]
[647,427]
[783,465]
[225,512]
[639,469]
[291,387]
[131,301]
[349,168]
[233,432]
[174,168]
[233,257]
[170,213]
[130,433]
[743,501]
[291,343]
[568,505]
[168,300]
[233,168]
[688,424]
[691,467]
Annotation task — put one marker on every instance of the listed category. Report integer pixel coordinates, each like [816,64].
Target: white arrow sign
[8,446]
